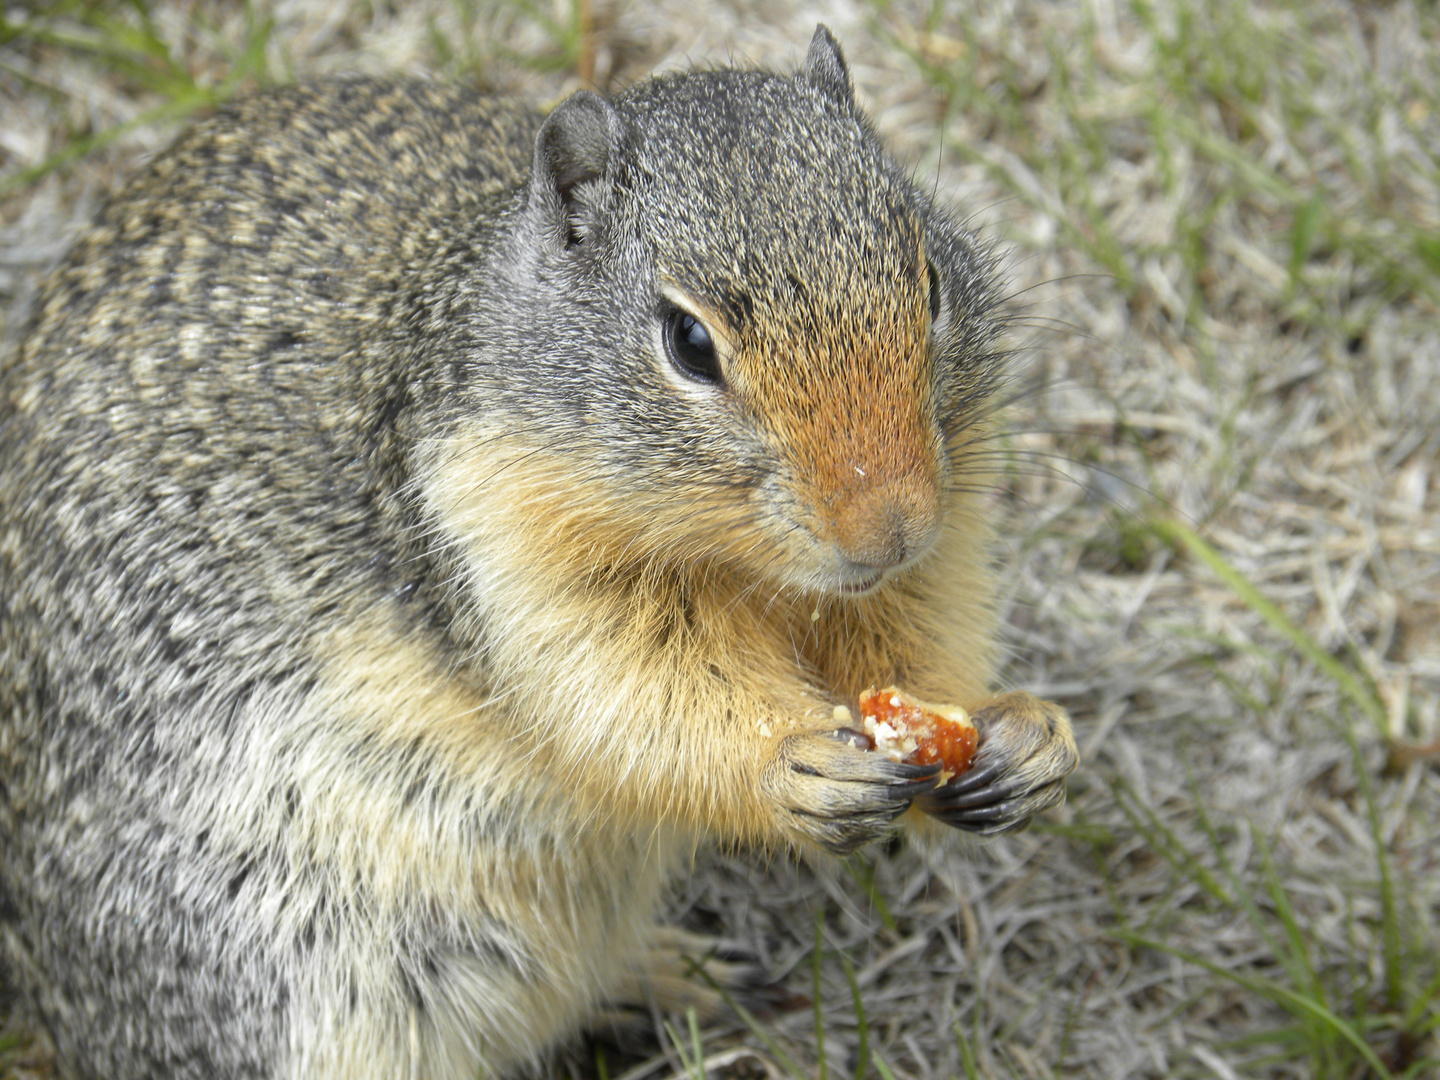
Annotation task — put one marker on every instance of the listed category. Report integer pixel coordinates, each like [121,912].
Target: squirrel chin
[863,586]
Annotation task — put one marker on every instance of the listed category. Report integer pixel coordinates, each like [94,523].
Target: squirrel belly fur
[424,521]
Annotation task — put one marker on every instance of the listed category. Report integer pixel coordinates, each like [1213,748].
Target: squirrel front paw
[1026,750]
[830,789]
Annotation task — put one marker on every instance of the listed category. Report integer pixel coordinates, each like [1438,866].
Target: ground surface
[1221,513]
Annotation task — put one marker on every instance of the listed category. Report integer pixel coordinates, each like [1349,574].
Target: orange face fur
[853,429]
[840,389]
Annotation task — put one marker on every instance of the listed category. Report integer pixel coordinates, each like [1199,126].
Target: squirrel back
[424,521]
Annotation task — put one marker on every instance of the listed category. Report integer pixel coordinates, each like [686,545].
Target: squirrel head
[759,343]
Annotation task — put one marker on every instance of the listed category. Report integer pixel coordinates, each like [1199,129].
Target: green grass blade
[1241,893]
[862,869]
[1173,532]
[696,1045]
[748,1019]
[1298,1005]
[176,109]
[1298,961]
[862,1025]
[822,1071]
[1394,952]
[967,1054]
[674,1037]
[1302,238]
[1423,1000]
[1165,843]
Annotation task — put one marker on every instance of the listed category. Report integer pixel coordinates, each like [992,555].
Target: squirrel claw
[1026,751]
[831,790]
[948,798]
[993,812]
[979,781]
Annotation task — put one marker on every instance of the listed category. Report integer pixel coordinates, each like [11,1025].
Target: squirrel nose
[883,526]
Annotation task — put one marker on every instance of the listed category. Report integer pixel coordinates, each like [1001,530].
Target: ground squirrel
[424,520]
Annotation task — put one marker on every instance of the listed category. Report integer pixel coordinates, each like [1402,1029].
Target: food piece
[918,732]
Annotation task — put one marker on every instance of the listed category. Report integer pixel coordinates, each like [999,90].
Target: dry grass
[1224,221]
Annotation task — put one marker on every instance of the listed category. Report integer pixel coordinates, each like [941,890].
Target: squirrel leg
[1026,751]
[677,971]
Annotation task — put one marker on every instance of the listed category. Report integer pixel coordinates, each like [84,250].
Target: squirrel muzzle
[879,491]
[866,460]
[882,525]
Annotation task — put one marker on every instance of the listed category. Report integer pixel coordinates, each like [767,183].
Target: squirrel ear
[825,67]
[574,147]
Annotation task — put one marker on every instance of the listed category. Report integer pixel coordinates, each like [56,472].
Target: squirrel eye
[690,347]
[934,291]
